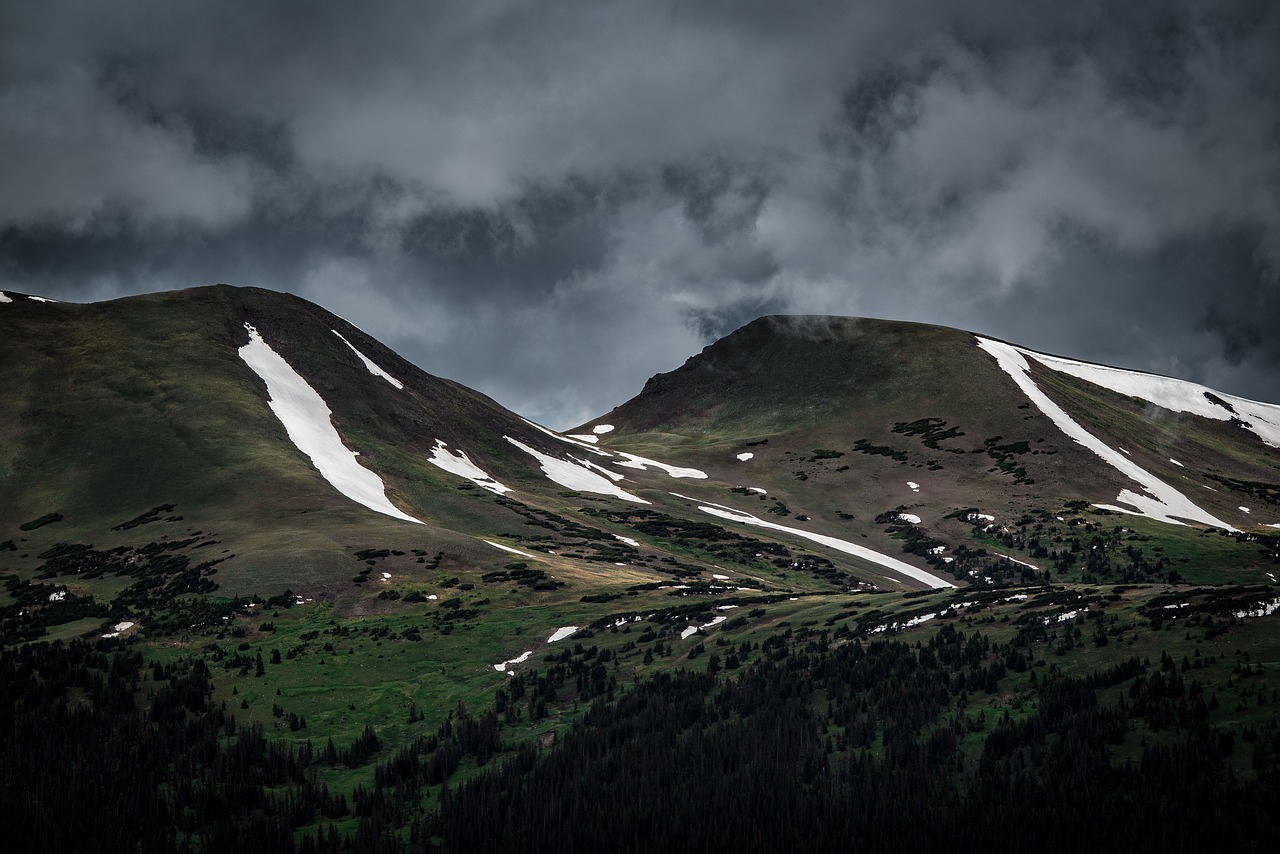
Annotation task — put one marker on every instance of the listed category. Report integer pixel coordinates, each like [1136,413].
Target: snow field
[308,421]
[1162,503]
[1263,419]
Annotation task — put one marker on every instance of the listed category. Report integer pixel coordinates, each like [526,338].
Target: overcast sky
[551,202]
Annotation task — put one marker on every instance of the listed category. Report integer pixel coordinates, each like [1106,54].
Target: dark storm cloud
[552,201]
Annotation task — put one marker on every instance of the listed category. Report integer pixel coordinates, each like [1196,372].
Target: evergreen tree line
[811,741]
[861,747]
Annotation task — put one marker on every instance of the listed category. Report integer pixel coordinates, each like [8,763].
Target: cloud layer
[551,202]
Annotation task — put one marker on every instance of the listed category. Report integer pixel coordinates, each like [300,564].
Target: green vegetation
[1089,698]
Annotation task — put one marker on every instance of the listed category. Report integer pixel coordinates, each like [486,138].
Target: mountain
[908,552]
[294,439]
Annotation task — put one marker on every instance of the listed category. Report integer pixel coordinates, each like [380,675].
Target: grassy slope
[824,383]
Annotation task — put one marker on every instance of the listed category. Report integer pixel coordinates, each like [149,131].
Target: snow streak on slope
[630,461]
[1262,419]
[368,363]
[1162,502]
[574,474]
[306,418]
[5,297]
[563,438]
[831,542]
[501,547]
[460,464]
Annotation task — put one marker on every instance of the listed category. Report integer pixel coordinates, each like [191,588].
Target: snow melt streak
[306,418]
[368,363]
[831,542]
[1167,501]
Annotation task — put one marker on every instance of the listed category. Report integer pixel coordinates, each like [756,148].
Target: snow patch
[561,633]
[1162,503]
[575,475]
[1261,419]
[831,542]
[519,659]
[461,465]
[118,628]
[601,429]
[745,455]
[307,420]
[909,517]
[1244,509]
[984,517]
[1176,463]
[761,490]
[692,630]
[631,461]
[1062,618]
[583,437]
[369,363]
[627,540]
[915,487]
[57,595]
[507,549]
[5,297]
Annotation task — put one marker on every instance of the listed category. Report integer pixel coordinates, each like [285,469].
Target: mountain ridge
[843,422]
